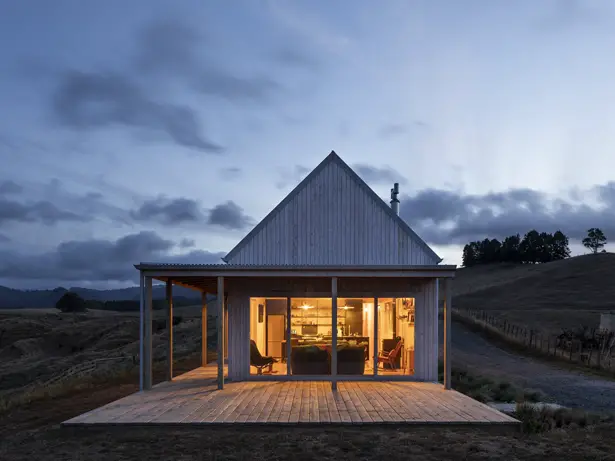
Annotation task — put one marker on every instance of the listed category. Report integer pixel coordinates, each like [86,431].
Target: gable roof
[332,158]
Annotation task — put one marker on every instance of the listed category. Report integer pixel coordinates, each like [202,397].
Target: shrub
[535,420]
[71,302]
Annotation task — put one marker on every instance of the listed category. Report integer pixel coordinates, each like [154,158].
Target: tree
[71,302]
[535,247]
[530,247]
[595,239]
[560,249]
[510,249]
[489,251]
[470,255]
[545,247]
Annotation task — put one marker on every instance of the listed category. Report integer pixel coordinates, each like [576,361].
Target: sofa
[316,360]
[350,360]
[310,360]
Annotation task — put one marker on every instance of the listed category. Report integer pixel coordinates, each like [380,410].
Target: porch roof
[203,276]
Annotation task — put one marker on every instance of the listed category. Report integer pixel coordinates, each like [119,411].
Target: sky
[164,131]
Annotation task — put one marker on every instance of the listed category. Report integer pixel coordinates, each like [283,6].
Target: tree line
[535,247]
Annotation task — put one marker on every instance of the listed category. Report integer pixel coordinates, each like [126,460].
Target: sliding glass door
[307,333]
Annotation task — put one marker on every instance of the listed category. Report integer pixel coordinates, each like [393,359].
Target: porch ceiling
[204,277]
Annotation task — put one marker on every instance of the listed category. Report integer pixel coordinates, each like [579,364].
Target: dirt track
[562,386]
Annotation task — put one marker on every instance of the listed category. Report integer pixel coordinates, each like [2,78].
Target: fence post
[531,335]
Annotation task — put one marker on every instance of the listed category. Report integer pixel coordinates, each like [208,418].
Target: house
[332,285]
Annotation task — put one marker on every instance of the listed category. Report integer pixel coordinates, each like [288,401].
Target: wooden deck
[193,398]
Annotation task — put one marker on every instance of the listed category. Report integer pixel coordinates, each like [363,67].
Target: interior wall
[257,329]
[253,318]
[368,320]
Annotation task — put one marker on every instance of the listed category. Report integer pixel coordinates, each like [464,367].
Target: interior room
[311,336]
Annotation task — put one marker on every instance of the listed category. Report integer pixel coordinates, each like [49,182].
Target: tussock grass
[486,389]
[537,420]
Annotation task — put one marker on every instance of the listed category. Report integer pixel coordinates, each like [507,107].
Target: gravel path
[562,386]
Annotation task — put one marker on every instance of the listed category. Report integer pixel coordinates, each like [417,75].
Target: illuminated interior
[311,337]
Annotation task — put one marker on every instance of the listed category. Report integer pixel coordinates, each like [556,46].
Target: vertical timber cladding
[238,336]
[426,340]
[332,219]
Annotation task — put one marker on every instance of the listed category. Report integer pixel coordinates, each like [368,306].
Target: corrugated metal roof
[231,267]
[332,157]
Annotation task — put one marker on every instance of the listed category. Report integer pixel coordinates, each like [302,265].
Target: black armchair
[259,361]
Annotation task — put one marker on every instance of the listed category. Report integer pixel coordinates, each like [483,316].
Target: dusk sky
[164,130]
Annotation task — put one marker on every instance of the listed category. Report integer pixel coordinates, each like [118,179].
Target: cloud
[230,216]
[173,49]
[177,211]
[98,260]
[169,211]
[41,211]
[231,172]
[4,238]
[85,100]
[291,176]
[187,243]
[10,187]
[378,175]
[391,130]
[447,217]
[50,203]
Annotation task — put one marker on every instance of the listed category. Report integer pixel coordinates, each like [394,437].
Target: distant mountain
[14,299]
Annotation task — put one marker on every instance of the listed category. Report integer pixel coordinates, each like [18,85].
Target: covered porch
[239,288]
[194,399]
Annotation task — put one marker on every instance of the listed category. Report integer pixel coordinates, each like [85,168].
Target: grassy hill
[561,294]
[11,298]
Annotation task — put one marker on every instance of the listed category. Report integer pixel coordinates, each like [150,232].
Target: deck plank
[193,398]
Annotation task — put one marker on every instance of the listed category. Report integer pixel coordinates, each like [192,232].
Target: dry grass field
[547,297]
[32,432]
[39,347]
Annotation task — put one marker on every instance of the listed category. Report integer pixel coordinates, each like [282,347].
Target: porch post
[204,329]
[169,292]
[147,333]
[375,345]
[220,328]
[448,304]
[288,336]
[141,331]
[334,333]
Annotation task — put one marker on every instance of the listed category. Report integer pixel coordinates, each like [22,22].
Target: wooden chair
[259,361]
[390,357]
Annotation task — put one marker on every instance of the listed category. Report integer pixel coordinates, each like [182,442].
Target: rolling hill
[551,296]
[14,299]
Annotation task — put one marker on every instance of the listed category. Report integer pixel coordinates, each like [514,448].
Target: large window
[311,329]
[396,336]
[268,336]
[311,336]
[355,337]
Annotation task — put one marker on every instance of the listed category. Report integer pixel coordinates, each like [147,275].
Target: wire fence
[588,347]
